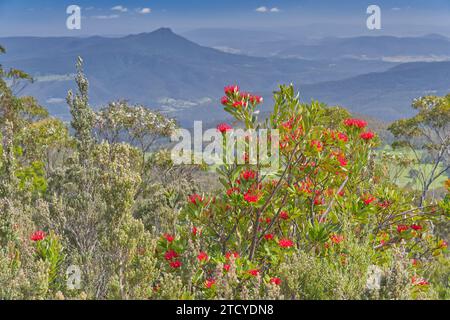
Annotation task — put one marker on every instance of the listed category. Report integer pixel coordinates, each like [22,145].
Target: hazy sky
[105,17]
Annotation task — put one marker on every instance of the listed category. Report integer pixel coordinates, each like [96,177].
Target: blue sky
[47,18]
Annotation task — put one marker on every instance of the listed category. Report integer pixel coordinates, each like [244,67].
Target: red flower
[195,199]
[226,267]
[369,199]
[275,281]
[336,239]
[256,99]
[224,101]
[229,254]
[358,123]
[202,256]
[284,215]
[169,237]
[170,254]
[368,135]
[223,128]
[239,104]
[209,283]
[402,227]
[175,264]
[419,281]
[416,227]
[248,175]
[285,243]
[318,200]
[253,272]
[195,231]
[231,89]
[342,136]
[268,236]
[251,198]
[232,191]
[342,160]
[317,145]
[38,236]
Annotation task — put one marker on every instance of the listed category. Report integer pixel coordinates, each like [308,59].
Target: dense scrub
[328,225]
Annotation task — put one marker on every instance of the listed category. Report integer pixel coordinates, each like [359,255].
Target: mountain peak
[163,31]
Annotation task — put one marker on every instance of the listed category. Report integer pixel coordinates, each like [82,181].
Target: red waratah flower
[232,191]
[256,99]
[195,231]
[229,254]
[336,239]
[231,89]
[239,104]
[38,236]
[285,243]
[170,254]
[416,227]
[317,145]
[284,215]
[209,283]
[368,135]
[223,128]
[175,264]
[318,200]
[402,227]
[419,281]
[275,281]
[268,236]
[253,272]
[169,237]
[342,136]
[251,198]
[202,256]
[224,101]
[248,175]
[342,160]
[368,200]
[195,199]
[358,123]
[226,267]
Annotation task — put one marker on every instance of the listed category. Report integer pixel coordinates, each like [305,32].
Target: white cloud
[264,9]
[103,17]
[145,10]
[119,8]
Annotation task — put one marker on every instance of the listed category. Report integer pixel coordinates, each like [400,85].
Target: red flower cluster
[248,175]
[253,272]
[170,255]
[231,89]
[368,199]
[38,236]
[209,283]
[229,254]
[419,281]
[202,256]
[175,264]
[317,145]
[224,127]
[284,215]
[268,236]
[169,237]
[368,135]
[358,123]
[275,281]
[336,238]
[250,197]
[402,227]
[195,199]
[285,243]
[416,227]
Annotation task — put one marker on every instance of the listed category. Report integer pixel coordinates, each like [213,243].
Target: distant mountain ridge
[171,73]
